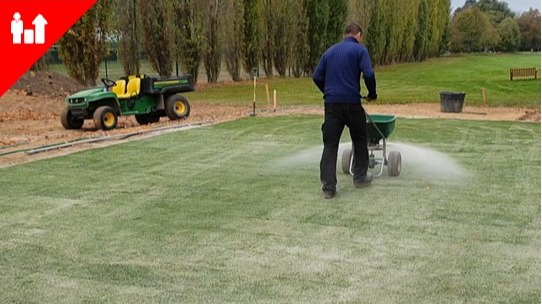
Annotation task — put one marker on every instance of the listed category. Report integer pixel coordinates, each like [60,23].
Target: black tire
[142,119]
[105,118]
[145,119]
[177,107]
[372,161]
[69,122]
[394,163]
[154,117]
[345,160]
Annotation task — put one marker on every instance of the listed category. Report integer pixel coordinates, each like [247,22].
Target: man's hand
[371,97]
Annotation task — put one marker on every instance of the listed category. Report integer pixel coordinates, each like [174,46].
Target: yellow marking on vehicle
[171,82]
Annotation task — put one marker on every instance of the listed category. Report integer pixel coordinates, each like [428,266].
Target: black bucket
[452,102]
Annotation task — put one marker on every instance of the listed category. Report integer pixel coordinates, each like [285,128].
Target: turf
[233,213]
[411,82]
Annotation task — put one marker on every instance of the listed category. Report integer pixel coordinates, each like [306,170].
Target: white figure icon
[39,26]
[17,28]
[29,36]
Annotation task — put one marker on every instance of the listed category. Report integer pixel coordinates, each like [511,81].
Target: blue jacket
[338,73]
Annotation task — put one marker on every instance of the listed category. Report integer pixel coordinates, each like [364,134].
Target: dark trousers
[336,117]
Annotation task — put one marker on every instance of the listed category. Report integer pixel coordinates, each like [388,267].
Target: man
[338,76]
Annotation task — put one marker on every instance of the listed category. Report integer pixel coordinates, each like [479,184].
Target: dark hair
[353,29]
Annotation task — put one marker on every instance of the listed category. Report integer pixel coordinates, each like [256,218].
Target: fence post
[106,73]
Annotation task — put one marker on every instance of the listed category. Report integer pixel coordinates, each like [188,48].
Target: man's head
[353,30]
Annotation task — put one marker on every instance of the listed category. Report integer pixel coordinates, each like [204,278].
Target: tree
[233,44]
[212,56]
[491,39]
[377,34]
[422,34]
[269,35]
[446,29]
[439,24]
[158,34]
[496,11]
[42,64]
[398,31]
[338,11]
[469,3]
[84,46]
[398,17]
[189,35]
[317,16]
[468,29]
[300,47]
[510,35]
[128,36]
[283,37]
[252,34]
[529,26]
[361,12]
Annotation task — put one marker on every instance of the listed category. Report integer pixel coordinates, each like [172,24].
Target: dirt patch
[28,122]
[433,111]
[31,120]
[531,116]
[46,84]
[469,112]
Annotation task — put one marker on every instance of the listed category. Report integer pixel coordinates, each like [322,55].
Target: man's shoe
[364,182]
[329,194]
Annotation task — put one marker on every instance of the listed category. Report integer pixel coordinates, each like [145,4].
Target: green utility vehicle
[146,97]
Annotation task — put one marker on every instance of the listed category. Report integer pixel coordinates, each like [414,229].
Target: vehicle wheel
[177,107]
[142,119]
[145,119]
[105,118]
[394,163]
[345,160]
[153,118]
[68,121]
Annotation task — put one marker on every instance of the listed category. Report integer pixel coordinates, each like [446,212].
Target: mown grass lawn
[234,213]
[399,83]
[410,82]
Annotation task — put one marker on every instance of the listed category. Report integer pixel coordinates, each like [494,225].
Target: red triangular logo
[29,28]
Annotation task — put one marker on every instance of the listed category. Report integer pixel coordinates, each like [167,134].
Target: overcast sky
[514,5]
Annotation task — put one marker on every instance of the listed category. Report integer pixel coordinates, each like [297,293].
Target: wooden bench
[523,72]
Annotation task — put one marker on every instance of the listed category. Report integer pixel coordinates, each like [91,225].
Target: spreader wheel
[394,163]
[345,160]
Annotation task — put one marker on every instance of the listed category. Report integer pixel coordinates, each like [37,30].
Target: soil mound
[531,116]
[49,84]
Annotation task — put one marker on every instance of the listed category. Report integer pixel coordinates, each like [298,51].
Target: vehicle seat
[120,88]
[133,88]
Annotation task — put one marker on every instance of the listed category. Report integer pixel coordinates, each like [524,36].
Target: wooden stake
[254,89]
[254,100]
[484,97]
[268,98]
[274,100]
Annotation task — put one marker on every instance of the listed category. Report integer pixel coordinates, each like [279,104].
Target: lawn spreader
[379,127]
